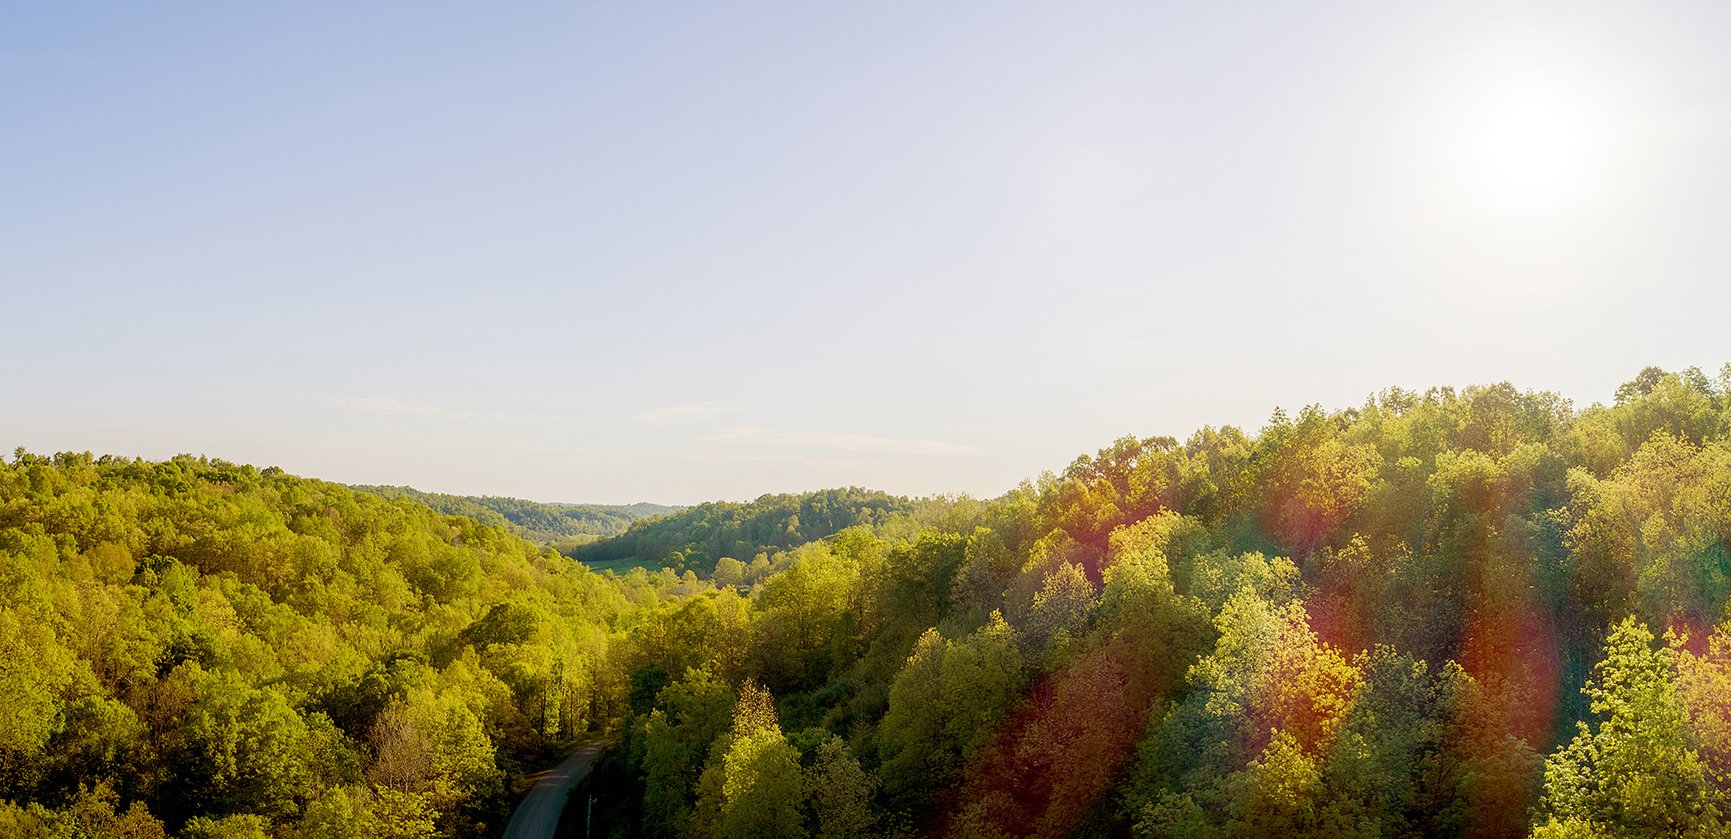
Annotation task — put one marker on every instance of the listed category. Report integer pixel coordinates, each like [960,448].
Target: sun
[1538,151]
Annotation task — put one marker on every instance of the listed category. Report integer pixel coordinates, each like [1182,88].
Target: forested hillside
[1478,612]
[223,650]
[1456,613]
[562,525]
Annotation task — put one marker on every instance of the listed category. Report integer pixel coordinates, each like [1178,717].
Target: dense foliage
[697,537]
[221,650]
[1455,613]
[1480,612]
[562,525]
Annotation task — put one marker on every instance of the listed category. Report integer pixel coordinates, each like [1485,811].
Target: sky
[611,252]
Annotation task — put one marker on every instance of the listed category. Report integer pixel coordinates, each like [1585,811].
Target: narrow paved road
[538,816]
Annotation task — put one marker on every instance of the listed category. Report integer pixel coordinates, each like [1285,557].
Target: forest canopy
[209,646]
[1461,612]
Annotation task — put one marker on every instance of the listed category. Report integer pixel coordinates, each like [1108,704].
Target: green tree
[1635,772]
[244,748]
[729,572]
[690,714]
[841,793]
[34,672]
[756,790]
[944,704]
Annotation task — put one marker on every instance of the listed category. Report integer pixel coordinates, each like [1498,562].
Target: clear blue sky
[611,252]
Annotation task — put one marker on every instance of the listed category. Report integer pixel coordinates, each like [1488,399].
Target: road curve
[538,816]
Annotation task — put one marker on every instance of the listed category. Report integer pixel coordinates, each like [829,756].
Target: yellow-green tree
[1635,772]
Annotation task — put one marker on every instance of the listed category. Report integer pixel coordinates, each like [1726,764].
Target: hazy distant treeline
[696,537]
[561,525]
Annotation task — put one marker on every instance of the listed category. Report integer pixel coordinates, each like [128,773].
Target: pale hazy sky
[624,251]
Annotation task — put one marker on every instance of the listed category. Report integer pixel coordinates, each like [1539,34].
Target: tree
[1634,773]
[763,789]
[1061,607]
[690,714]
[97,814]
[1704,688]
[841,793]
[757,790]
[915,750]
[799,634]
[945,704]
[245,750]
[34,671]
[728,572]
[1314,481]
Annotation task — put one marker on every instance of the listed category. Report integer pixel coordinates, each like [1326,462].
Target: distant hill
[563,525]
[696,537]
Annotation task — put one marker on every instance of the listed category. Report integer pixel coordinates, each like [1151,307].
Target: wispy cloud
[842,442]
[388,405]
[669,414]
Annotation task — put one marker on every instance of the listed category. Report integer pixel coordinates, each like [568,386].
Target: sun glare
[1538,152]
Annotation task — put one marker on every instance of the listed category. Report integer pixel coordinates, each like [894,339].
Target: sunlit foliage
[227,650]
[1479,612]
